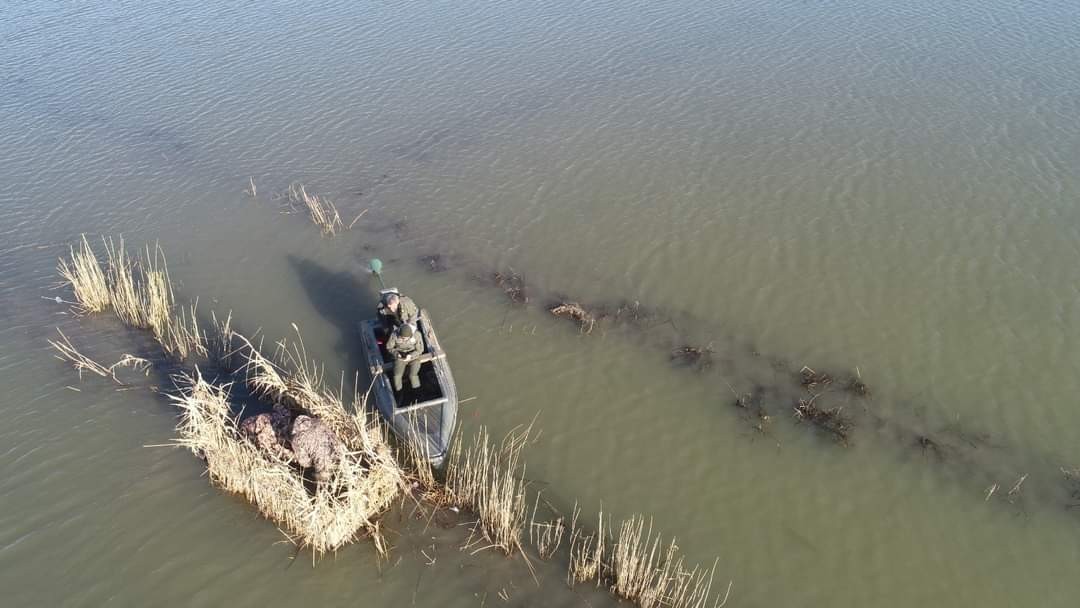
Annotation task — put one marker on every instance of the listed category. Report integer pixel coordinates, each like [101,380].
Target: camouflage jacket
[407,311]
[403,348]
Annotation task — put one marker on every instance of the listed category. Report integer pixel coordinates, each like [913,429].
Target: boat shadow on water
[341,298]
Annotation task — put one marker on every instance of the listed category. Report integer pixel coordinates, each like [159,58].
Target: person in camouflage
[263,430]
[395,309]
[307,441]
[316,447]
[406,345]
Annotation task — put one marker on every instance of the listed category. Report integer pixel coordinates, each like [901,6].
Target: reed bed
[361,486]
[636,564]
[138,290]
[320,210]
[336,513]
[631,560]
[546,536]
[489,480]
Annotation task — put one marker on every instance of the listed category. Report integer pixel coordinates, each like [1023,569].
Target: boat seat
[424,358]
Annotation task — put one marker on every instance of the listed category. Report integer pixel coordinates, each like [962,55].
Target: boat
[424,416]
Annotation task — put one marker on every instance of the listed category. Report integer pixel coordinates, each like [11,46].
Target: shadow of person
[344,300]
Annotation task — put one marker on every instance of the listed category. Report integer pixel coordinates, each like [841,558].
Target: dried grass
[340,509]
[221,342]
[180,337]
[83,363]
[322,212]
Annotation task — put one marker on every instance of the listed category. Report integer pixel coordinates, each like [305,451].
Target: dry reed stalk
[415,459]
[82,363]
[546,536]
[485,479]
[180,335]
[586,552]
[83,272]
[322,212]
[339,511]
[124,291]
[221,341]
[157,293]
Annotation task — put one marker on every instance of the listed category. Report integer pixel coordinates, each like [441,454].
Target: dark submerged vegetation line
[838,405]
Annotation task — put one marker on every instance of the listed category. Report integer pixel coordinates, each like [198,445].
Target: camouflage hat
[405,330]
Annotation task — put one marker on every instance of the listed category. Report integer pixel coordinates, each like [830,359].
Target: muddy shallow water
[881,192]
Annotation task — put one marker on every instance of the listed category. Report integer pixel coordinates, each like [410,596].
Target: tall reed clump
[412,454]
[586,552]
[322,212]
[138,290]
[638,565]
[489,480]
[83,272]
[338,511]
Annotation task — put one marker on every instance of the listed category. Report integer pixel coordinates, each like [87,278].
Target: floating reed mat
[356,476]
[585,318]
[337,511]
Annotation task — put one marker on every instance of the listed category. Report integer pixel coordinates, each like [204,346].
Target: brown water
[884,186]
